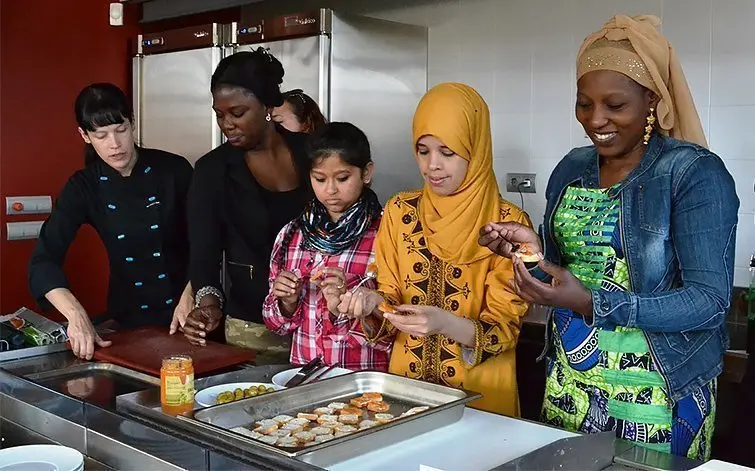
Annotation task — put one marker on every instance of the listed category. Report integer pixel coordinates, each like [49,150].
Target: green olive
[224,397]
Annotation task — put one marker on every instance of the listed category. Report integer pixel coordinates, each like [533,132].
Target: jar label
[179,389]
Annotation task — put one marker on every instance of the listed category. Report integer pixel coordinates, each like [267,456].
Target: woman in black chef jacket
[243,193]
[135,198]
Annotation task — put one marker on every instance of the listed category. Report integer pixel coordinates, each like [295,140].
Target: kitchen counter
[92,418]
[495,440]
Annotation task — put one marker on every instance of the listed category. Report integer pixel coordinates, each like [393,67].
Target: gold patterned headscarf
[634,47]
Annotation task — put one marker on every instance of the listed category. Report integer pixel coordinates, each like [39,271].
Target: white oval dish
[207,396]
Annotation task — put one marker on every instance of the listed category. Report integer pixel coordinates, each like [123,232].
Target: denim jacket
[678,226]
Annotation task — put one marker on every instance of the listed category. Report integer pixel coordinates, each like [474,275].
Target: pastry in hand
[387,308]
[525,254]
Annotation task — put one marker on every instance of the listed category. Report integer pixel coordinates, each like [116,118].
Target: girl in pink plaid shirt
[326,251]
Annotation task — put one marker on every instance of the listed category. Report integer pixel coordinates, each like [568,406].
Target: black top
[141,220]
[229,211]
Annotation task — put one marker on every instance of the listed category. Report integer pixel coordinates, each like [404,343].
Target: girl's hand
[333,285]
[360,304]
[420,321]
[287,288]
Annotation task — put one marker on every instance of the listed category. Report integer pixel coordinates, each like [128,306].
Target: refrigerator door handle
[324,75]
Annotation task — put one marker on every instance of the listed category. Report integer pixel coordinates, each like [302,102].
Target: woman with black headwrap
[242,194]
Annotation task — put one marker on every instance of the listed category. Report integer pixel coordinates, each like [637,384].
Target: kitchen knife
[304,372]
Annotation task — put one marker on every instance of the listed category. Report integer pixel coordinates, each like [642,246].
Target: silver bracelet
[208,290]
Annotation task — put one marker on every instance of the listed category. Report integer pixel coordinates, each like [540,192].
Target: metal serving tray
[446,407]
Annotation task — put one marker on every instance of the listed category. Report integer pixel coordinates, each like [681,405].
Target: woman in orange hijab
[455,318]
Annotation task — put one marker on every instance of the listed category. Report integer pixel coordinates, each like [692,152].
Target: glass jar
[177,385]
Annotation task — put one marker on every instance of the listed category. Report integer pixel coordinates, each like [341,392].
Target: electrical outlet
[27,205]
[23,230]
[520,182]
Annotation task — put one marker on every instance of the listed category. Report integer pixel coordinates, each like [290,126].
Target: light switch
[27,205]
[23,230]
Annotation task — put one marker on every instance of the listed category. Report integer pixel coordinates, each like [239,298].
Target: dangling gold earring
[649,126]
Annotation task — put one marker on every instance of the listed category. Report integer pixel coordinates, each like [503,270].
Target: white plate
[715,465]
[40,458]
[284,376]
[208,396]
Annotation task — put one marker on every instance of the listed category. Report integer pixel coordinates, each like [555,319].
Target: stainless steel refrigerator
[368,71]
[171,81]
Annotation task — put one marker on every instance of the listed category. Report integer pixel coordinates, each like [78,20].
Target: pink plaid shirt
[316,331]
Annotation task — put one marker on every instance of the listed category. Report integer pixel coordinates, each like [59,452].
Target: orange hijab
[457,115]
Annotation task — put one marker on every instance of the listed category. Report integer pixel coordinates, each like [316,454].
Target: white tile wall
[520,55]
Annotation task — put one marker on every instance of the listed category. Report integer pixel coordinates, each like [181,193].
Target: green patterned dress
[601,379]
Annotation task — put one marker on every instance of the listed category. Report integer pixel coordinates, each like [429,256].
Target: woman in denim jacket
[638,247]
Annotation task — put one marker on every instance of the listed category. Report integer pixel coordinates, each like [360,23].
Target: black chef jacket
[230,212]
[141,220]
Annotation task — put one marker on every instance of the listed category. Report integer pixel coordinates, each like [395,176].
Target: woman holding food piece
[326,251]
[639,247]
[454,318]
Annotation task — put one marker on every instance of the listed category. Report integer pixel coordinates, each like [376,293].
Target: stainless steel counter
[55,396]
[112,415]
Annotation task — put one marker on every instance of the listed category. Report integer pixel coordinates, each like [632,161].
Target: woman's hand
[333,285]
[183,308]
[564,291]
[420,321]
[287,288]
[200,322]
[500,237]
[84,339]
[360,304]
[81,333]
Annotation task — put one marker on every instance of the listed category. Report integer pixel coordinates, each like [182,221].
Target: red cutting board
[143,350]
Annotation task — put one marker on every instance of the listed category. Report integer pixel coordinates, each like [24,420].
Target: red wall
[49,50]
